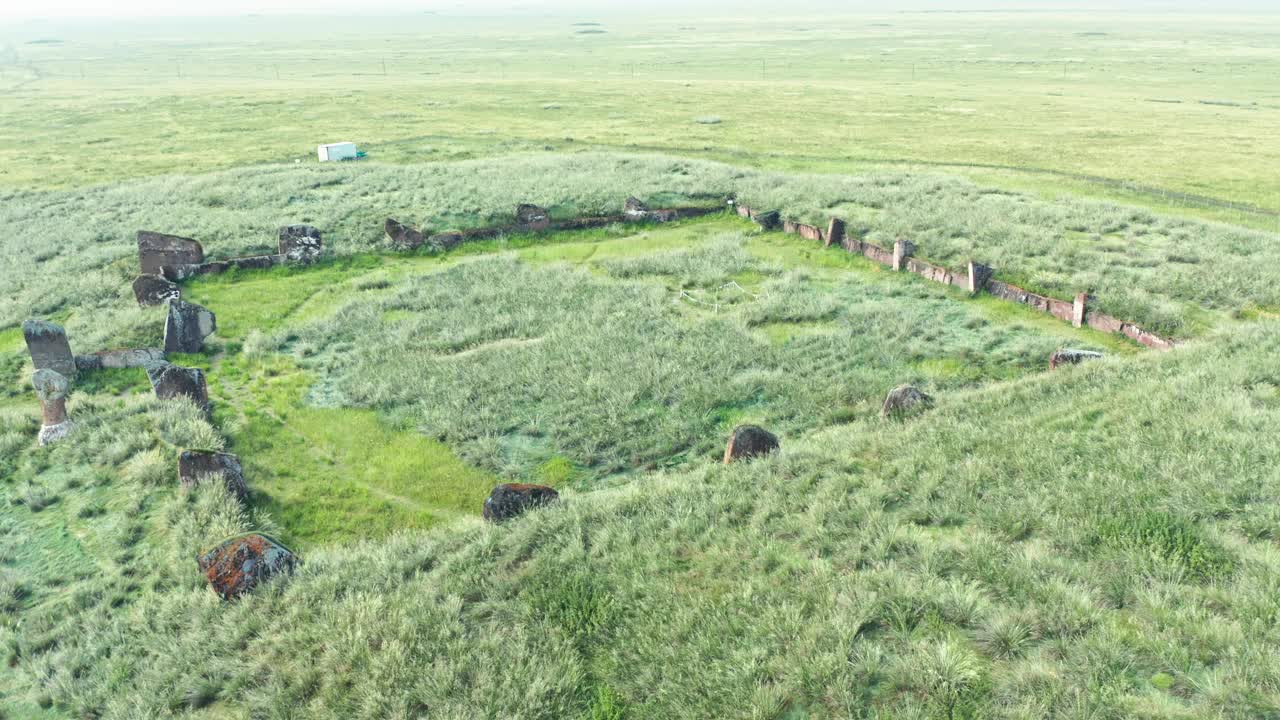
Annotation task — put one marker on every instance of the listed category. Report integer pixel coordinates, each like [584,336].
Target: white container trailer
[337,151]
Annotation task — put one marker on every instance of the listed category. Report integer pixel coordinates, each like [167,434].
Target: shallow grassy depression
[589,358]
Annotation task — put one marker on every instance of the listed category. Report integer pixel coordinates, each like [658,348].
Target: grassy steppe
[1097,542]
[1114,105]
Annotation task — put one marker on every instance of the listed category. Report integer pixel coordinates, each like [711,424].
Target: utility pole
[384,66]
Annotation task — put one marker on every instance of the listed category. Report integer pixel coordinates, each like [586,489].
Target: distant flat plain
[1174,112]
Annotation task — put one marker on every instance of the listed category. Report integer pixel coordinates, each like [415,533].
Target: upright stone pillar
[187,326]
[979,274]
[835,233]
[47,343]
[902,249]
[1077,309]
[52,389]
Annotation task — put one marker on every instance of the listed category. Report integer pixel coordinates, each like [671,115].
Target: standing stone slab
[300,243]
[158,252]
[52,389]
[904,400]
[902,249]
[170,381]
[748,441]
[979,275]
[187,326]
[238,565]
[195,466]
[511,499]
[47,343]
[532,218]
[835,233]
[152,290]
[1078,309]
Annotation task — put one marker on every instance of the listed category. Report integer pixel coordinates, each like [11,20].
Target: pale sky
[13,9]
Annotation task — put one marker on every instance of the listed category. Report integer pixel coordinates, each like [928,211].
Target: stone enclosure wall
[977,278]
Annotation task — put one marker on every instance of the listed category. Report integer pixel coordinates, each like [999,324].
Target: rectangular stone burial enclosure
[977,278]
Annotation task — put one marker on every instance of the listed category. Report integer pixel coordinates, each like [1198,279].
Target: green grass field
[1096,542]
[1129,107]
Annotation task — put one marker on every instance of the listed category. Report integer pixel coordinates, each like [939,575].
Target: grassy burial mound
[1094,541]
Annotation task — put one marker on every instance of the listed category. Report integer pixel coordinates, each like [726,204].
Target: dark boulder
[195,466]
[511,499]
[187,326]
[151,290]
[1068,356]
[170,381]
[402,236]
[904,400]
[633,209]
[238,565]
[532,217]
[47,343]
[167,255]
[300,243]
[748,441]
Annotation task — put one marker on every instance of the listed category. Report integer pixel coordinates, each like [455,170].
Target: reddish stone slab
[238,565]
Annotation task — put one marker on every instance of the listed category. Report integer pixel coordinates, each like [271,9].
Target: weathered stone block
[748,441]
[171,381]
[904,400]
[52,389]
[150,290]
[1068,356]
[195,466]
[1078,308]
[633,209]
[158,251]
[835,233]
[114,359]
[187,326]
[809,232]
[238,565]
[511,499]
[902,249]
[402,236]
[531,218]
[300,243]
[49,349]
[979,275]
